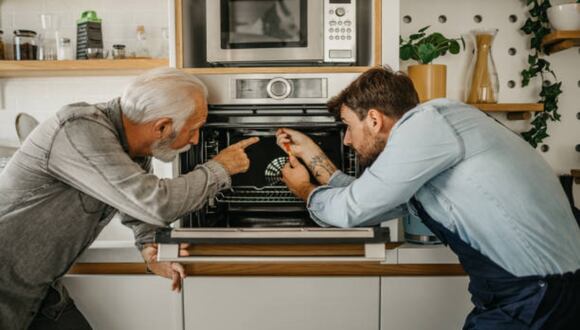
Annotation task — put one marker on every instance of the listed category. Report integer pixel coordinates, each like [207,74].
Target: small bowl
[565,17]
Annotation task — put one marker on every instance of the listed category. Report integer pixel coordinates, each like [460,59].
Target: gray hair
[160,93]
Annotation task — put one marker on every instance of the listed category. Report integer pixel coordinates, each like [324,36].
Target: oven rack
[256,195]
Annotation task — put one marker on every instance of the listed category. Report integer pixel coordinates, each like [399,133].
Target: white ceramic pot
[565,17]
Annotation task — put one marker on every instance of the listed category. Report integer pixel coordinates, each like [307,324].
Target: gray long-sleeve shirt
[64,185]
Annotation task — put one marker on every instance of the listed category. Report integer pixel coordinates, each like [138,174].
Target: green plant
[538,26]
[425,48]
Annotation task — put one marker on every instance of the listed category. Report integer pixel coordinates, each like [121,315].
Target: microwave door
[261,31]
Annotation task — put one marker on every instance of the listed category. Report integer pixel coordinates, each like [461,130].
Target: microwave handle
[374,252]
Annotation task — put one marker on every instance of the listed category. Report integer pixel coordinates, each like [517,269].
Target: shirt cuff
[339,179]
[220,175]
[312,205]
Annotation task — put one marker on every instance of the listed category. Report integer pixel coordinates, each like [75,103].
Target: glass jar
[119,52]
[48,37]
[65,51]
[25,47]
[2,56]
[483,82]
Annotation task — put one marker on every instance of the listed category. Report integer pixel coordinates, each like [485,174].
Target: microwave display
[263,23]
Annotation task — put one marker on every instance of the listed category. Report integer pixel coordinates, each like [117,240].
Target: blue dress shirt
[471,174]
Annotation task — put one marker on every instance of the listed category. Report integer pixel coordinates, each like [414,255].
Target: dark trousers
[58,312]
[504,301]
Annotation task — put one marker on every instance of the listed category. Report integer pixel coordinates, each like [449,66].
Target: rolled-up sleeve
[88,156]
[419,148]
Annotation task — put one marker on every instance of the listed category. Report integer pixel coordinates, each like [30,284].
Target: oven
[258,198]
[259,208]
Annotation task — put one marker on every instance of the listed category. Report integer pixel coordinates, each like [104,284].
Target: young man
[479,187]
[84,165]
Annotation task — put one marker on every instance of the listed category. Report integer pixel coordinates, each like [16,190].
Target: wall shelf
[78,68]
[266,70]
[515,111]
[576,175]
[561,40]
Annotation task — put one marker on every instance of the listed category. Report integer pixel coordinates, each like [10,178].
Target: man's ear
[375,120]
[162,128]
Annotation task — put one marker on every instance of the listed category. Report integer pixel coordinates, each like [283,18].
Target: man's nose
[195,138]
[347,142]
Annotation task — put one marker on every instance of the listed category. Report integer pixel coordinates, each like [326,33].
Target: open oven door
[372,240]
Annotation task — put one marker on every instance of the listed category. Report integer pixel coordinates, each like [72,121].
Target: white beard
[161,149]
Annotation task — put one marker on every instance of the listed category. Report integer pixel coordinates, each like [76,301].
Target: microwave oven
[249,32]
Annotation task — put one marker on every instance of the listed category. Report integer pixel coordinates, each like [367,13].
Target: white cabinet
[417,303]
[281,303]
[111,302]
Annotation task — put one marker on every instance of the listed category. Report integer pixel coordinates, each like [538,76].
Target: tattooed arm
[320,166]
[301,146]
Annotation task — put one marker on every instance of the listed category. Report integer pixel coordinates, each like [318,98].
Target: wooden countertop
[286,269]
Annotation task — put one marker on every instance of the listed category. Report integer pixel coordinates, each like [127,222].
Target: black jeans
[58,312]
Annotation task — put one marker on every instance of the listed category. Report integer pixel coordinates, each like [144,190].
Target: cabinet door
[126,302]
[281,303]
[417,303]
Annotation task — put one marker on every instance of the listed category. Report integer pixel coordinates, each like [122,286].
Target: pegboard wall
[510,51]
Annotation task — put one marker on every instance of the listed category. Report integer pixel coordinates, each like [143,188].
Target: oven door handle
[374,252]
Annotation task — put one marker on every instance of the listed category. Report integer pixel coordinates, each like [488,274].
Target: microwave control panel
[340,31]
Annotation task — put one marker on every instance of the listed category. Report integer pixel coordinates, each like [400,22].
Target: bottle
[163,51]
[65,51]
[142,49]
[2,55]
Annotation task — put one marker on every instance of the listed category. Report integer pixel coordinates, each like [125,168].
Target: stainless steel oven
[259,208]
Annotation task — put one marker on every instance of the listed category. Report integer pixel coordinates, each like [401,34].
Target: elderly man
[84,165]
[480,188]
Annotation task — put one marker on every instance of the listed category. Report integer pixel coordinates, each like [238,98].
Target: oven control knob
[279,88]
[340,11]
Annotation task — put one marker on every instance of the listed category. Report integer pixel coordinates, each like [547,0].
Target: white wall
[120,18]
[495,14]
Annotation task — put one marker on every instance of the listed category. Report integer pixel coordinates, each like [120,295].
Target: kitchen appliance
[248,32]
[259,208]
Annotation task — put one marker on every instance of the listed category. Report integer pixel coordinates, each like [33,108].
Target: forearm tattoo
[320,165]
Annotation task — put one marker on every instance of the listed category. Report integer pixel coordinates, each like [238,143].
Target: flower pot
[430,80]
[565,17]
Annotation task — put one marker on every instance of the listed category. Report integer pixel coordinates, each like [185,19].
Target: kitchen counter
[121,257]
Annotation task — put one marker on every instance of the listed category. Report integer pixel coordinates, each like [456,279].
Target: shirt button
[541,283]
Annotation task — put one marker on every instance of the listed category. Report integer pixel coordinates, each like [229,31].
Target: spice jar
[25,47]
[65,51]
[2,56]
[118,52]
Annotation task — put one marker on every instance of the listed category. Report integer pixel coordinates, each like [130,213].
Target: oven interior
[258,198]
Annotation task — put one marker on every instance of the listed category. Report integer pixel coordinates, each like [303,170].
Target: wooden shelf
[576,175]
[560,40]
[78,68]
[515,111]
[263,70]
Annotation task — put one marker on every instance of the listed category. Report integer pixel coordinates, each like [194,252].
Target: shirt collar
[115,115]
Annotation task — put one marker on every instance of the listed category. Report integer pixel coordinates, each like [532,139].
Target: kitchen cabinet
[282,303]
[417,303]
[112,302]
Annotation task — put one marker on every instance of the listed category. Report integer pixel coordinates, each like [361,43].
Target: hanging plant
[538,26]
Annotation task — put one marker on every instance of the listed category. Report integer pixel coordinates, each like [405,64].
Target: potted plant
[430,80]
